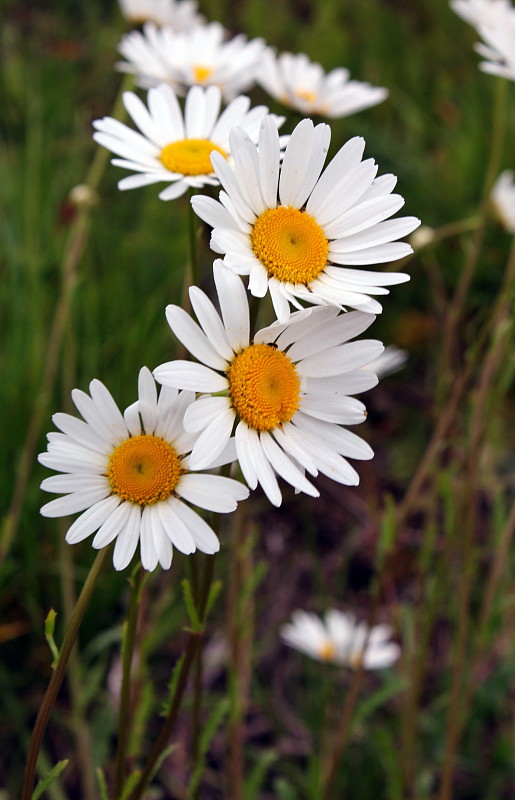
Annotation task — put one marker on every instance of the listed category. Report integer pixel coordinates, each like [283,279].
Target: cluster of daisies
[272,404]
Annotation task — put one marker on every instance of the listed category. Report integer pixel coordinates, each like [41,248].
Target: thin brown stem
[60,670]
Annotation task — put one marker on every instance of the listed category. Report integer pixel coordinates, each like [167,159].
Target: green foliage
[44,783]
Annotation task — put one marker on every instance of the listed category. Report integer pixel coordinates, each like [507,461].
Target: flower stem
[59,672]
[136,583]
[190,653]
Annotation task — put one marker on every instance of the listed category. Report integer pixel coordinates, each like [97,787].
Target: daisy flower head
[303,85]
[494,20]
[286,393]
[202,56]
[130,476]
[298,231]
[339,639]
[503,199]
[180,16]
[173,147]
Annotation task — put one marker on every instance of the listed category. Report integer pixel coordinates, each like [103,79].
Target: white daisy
[494,20]
[201,56]
[503,198]
[294,229]
[180,16]
[172,147]
[299,83]
[286,391]
[340,639]
[131,476]
[481,12]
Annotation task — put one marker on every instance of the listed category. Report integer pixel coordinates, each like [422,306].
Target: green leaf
[102,784]
[214,591]
[256,777]
[173,684]
[214,721]
[49,636]
[54,773]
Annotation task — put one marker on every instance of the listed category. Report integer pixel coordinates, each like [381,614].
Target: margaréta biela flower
[286,393]
[494,20]
[503,199]
[295,230]
[180,16]
[130,476]
[303,85]
[339,639]
[202,56]
[173,147]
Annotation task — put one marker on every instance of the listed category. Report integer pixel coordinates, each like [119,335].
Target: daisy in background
[286,393]
[181,16]
[339,639]
[171,147]
[295,229]
[202,56]
[131,476]
[494,20]
[503,199]
[299,83]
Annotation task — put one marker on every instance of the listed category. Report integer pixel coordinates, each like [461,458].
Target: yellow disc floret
[290,244]
[306,94]
[144,470]
[327,651]
[264,387]
[190,156]
[201,74]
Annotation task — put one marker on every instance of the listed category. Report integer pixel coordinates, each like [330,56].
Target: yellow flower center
[264,387]
[201,74]
[144,470]
[306,94]
[290,244]
[190,156]
[327,652]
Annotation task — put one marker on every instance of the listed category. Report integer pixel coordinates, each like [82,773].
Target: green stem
[192,645]
[60,670]
[136,583]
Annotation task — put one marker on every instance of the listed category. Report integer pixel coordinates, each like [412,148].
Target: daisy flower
[494,20]
[286,392]
[299,83]
[171,147]
[481,12]
[181,16]
[339,639]
[201,56]
[503,199]
[295,230]
[131,476]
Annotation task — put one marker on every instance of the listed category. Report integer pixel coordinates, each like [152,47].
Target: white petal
[211,323]
[77,501]
[187,375]
[263,469]
[203,411]
[112,526]
[127,540]
[233,304]
[175,528]
[73,483]
[80,432]
[148,552]
[285,467]
[205,538]
[92,519]
[108,409]
[340,359]
[193,337]
[147,394]
[211,492]
[212,440]
[243,451]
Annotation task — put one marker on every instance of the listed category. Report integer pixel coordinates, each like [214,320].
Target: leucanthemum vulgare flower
[339,639]
[202,56]
[303,85]
[494,20]
[131,476]
[286,393]
[295,230]
[172,147]
[503,199]
[180,16]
